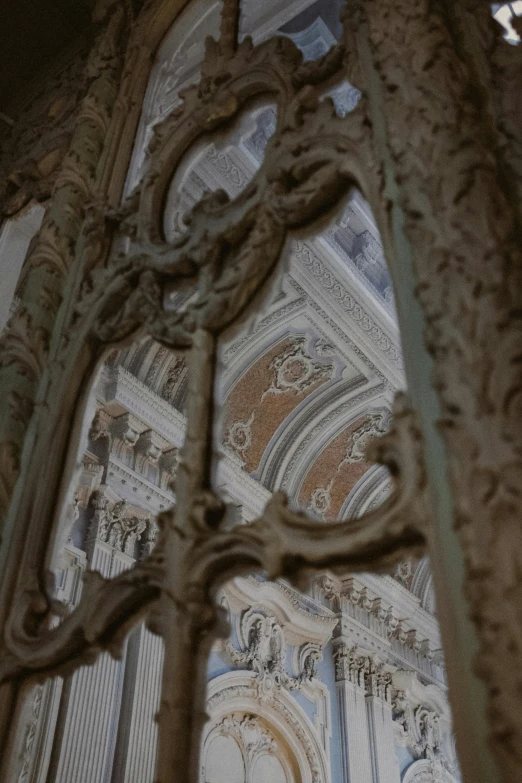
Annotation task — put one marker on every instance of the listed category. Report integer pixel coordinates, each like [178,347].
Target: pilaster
[385,768]
[354,728]
[136,743]
[86,729]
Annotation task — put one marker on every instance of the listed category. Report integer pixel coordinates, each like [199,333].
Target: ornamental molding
[295,370]
[372,676]
[254,336]
[285,604]
[422,723]
[393,631]
[118,525]
[425,771]
[264,653]
[322,308]
[252,736]
[331,415]
[229,254]
[294,431]
[368,493]
[238,692]
[238,437]
[121,386]
[332,292]
[405,603]
[373,426]
[125,481]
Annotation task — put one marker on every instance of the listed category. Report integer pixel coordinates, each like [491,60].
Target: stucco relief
[478,285]
[339,466]
[122,295]
[116,526]
[265,654]
[296,738]
[255,409]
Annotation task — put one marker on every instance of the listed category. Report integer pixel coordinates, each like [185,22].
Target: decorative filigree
[265,655]
[252,735]
[239,436]
[224,261]
[362,671]
[114,526]
[372,427]
[295,371]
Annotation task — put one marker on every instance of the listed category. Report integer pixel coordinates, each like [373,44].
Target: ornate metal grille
[123,271]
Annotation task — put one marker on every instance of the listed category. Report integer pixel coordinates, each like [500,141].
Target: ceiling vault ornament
[118,289]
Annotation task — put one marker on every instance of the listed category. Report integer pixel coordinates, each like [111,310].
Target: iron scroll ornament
[229,254]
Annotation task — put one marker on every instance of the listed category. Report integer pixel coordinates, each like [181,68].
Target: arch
[237,692]
[223,760]
[422,585]
[426,771]
[371,489]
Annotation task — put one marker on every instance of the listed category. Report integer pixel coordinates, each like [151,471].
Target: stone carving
[99,429]
[404,573]
[320,499]
[465,281]
[310,655]
[372,427]
[31,733]
[265,655]
[288,715]
[169,462]
[422,727]
[429,744]
[114,526]
[173,375]
[252,735]
[228,255]
[460,218]
[334,286]
[363,671]
[159,358]
[295,371]
[239,436]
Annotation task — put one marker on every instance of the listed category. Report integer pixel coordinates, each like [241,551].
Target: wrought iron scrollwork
[227,256]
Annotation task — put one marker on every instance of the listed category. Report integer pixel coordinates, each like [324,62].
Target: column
[355,743]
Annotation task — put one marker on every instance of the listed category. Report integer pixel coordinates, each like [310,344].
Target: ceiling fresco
[308,382]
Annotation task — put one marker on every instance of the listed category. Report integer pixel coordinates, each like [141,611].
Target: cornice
[313,269]
[299,624]
[121,479]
